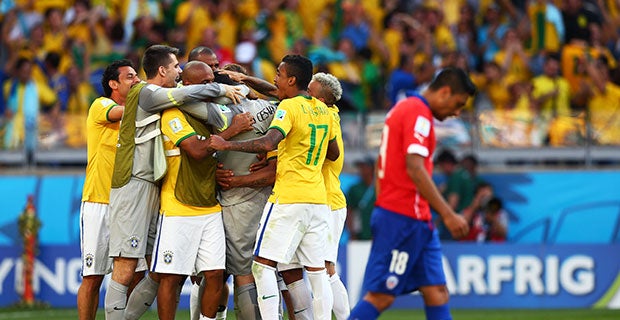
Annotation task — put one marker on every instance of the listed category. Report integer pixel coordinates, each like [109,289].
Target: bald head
[197,72]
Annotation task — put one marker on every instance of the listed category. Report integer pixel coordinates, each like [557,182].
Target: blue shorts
[405,254]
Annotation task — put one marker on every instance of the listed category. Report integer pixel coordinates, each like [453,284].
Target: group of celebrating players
[204,179]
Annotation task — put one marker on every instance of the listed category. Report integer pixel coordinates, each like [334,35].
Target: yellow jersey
[175,128]
[307,126]
[332,169]
[101,135]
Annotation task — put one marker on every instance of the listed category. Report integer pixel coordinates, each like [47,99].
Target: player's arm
[265,143]
[333,151]
[262,177]
[264,87]
[115,113]
[417,172]
[155,99]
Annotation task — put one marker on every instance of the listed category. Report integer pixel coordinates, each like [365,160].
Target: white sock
[322,300]
[341,298]
[203,317]
[221,315]
[245,302]
[267,290]
[141,298]
[194,301]
[115,301]
[302,300]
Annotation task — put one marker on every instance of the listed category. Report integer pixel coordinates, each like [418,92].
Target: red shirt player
[406,254]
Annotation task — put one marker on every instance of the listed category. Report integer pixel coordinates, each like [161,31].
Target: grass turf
[459,314]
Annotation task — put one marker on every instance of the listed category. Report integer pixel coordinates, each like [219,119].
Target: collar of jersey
[419,96]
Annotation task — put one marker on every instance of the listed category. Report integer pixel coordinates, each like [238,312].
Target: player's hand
[235,76]
[233,93]
[457,225]
[223,177]
[261,163]
[242,122]
[217,143]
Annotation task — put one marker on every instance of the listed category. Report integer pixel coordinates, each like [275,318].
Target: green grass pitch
[495,314]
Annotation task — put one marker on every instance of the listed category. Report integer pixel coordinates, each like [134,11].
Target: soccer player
[102,130]
[326,88]
[139,164]
[189,205]
[293,224]
[406,254]
[243,199]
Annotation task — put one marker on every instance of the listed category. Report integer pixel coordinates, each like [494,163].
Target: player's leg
[211,261]
[130,219]
[222,308]
[88,297]
[429,274]
[96,262]
[274,241]
[392,267]
[311,254]
[167,295]
[143,294]
[198,287]
[246,303]
[336,221]
[241,222]
[301,298]
[286,299]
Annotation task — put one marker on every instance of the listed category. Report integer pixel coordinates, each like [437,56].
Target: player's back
[306,125]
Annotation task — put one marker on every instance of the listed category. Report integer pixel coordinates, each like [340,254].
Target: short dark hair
[156,56]
[299,67]
[455,78]
[200,50]
[111,73]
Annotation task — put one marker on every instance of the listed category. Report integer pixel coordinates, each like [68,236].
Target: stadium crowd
[546,70]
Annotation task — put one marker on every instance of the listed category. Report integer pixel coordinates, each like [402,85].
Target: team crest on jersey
[88,260]
[134,241]
[168,257]
[422,126]
[176,125]
[391,282]
[280,114]
[224,108]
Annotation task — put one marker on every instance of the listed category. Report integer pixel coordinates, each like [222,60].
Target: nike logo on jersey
[267,297]
[119,309]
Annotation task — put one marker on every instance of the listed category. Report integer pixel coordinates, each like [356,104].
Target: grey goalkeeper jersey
[239,162]
[154,99]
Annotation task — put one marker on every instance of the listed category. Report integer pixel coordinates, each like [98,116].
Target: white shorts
[188,245]
[293,232]
[95,240]
[335,221]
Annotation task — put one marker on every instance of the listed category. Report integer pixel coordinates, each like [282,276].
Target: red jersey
[408,130]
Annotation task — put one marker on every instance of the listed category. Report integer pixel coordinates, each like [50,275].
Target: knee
[214,279]
[380,301]
[292,275]
[435,295]
[91,283]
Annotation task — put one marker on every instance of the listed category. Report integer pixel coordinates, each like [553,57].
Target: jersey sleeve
[175,126]
[284,117]
[100,110]
[416,131]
